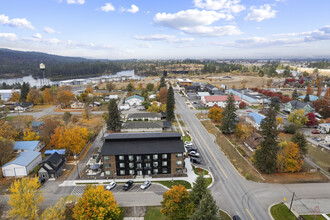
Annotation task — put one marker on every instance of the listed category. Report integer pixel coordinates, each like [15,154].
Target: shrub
[291,128]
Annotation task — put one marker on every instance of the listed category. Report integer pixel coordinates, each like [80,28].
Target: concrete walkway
[190,178]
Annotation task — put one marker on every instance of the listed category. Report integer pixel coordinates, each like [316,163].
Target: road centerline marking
[249,214]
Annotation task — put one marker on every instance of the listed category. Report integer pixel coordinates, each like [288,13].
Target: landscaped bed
[169,184]
[281,212]
[153,212]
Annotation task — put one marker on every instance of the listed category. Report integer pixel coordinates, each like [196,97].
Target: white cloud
[133,9]
[107,7]
[231,6]
[163,37]
[16,22]
[259,14]
[37,36]
[213,31]
[144,45]
[8,36]
[49,30]
[78,2]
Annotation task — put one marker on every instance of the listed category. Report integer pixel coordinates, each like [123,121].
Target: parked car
[236,217]
[111,185]
[187,144]
[191,149]
[315,132]
[195,160]
[41,181]
[145,185]
[193,154]
[128,185]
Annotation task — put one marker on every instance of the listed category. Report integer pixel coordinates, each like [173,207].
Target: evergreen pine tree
[113,121]
[306,99]
[295,94]
[170,102]
[25,89]
[265,156]
[207,209]
[228,123]
[300,139]
[198,190]
[162,83]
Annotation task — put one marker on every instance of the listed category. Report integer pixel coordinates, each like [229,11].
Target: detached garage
[22,165]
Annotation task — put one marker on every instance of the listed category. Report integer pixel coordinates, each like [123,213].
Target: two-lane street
[234,193]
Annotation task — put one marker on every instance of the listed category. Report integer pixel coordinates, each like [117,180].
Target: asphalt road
[234,193]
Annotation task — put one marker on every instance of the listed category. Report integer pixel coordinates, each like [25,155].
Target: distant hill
[18,63]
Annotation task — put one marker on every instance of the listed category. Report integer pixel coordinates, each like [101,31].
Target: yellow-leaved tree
[58,211]
[25,198]
[298,117]
[215,114]
[30,135]
[48,95]
[243,131]
[15,96]
[72,138]
[289,158]
[7,131]
[96,203]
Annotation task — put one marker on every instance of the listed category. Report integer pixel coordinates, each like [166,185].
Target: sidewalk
[190,178]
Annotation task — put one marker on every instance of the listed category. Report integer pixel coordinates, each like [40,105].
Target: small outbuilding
[21,146]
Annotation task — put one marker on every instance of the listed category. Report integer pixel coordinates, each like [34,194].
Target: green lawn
[169,184]
[186,137]
[208,181]
[196,170]
[224,216]
[312,217]
[319,157]
[122,212]
[153,212]
[281,212]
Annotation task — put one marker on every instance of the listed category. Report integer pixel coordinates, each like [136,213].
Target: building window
[178,155]
[147,165]
[122,165]
[155,171]
[121,157]
[130,157]
[138,158]
[179,162]
[139,173]
[138,165]
[148,157]
[131,165]
[155,164]
[148,172]
[164,163]
[107,165]
[179,170]
[155,156]
[122,172]
[106,158]
[164,156]
[107,173]
[131,172]
[164,170]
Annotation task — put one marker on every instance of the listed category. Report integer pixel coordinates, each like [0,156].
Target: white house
[7,93]
[219,100]
[124,107]
[22,165]
[108,98]
[134,100]
[21,146]
[22,107]
[77,105]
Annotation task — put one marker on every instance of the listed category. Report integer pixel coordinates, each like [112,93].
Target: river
[39,82]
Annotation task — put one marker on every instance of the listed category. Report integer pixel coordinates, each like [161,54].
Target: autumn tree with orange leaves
[48,95]
[30,135]
[64,97]
[96,203]
[176,203]
[163,95]
[310,90]
[72,138]
[15,96]
[215,114]
[289,158]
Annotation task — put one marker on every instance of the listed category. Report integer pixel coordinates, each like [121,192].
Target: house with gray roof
[52,166]
[144,116]
[146,126]
[22,165]
[295,104]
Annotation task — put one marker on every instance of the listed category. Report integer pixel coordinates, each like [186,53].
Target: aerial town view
[165,110]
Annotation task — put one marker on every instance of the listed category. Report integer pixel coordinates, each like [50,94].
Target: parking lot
[155,188]
[202,162]
[195,100]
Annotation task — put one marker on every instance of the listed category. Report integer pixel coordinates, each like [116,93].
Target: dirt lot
[122,85]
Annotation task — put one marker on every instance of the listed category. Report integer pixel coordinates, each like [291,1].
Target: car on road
[236,217]
[128,185]
[193,154]
[145,185]
[315,132]
[195,160]
[111,185]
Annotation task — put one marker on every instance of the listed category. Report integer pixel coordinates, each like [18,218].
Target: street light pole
[292,200]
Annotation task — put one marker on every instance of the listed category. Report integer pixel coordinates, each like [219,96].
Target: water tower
[42,68]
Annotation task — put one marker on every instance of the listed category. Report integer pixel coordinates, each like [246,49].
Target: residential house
[146,126]
[59,151]
[21,146]
[312,98]
[144,116]
[253,141]
[295,104]
[23,164]
[128,154]
[219,100]
[22,107]
[77,105]
[6,94]
[108,98]
[192,88]
[255,119]
[52,166]
[134,100]
[36,125]
[210,88]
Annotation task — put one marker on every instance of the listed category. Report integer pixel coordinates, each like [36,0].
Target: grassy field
[319,157]
[153,212]
[281,212]
[312,217]
[169,184]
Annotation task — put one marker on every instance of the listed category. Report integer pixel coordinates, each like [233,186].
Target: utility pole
[292,200]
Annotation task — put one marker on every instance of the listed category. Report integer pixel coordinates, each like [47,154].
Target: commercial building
[250,97]
[219,100]
[130,154]
[146,126]
[134,100]
[144,116]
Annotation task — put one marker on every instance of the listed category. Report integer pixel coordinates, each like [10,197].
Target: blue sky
[153,29]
